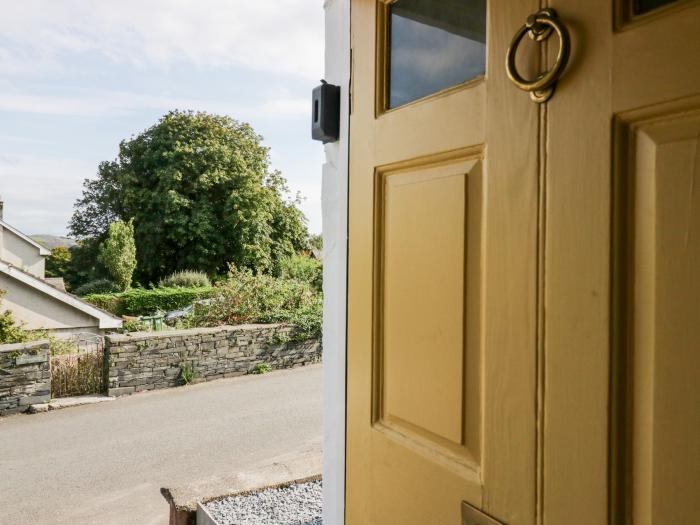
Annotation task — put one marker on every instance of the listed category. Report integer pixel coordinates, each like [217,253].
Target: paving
[70,402]
[105,463]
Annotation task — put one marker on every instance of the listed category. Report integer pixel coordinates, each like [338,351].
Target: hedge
[107,301]
[146,302]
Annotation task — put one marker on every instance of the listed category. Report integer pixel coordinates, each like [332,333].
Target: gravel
[297,504]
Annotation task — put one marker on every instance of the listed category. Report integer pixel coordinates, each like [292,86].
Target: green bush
[63,347]
[136,325]
[248,298]
[261,368]
[98,286]
[186,279]
[10,331]
[138,301]
[146,302]
[302,268]
[110,302]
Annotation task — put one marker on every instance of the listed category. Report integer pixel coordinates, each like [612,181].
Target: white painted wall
[335,253]
[38,310]
[19,253]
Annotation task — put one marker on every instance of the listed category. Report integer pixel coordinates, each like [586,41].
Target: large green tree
[201,194]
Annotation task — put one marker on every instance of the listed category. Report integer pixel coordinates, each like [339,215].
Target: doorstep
[68,402]
[297,503]
[297,468]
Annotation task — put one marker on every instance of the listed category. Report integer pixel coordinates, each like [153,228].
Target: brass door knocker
[538,27]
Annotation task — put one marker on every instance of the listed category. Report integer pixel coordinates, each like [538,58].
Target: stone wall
[147,361]
[25,376]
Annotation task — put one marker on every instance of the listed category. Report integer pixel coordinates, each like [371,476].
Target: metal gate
[77,365]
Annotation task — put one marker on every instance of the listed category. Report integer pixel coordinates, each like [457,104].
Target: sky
[77,77]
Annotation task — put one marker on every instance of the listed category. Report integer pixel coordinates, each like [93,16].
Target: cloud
[55,185]
[66,59]
[106,103]
[273,36]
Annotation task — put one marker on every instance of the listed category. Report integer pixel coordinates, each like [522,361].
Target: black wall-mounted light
[325,113]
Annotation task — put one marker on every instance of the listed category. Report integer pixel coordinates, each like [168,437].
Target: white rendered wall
[335,244]
[39,311]
[21,254]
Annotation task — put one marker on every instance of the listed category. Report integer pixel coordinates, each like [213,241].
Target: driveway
[105,463]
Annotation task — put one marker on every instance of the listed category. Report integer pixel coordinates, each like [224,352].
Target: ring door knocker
[538,27]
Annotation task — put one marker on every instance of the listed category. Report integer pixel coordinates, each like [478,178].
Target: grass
[187,372]
[261,368]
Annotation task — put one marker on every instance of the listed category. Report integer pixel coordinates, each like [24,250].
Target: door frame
[334,199]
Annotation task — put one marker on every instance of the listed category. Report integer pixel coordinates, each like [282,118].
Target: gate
[77,366]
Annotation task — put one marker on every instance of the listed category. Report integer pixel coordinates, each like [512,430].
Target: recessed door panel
[428,281]
[660,418]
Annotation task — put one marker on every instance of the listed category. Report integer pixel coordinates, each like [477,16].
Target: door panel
[664,362]
[656,451]
[427,292]
[622,318]
[442,296]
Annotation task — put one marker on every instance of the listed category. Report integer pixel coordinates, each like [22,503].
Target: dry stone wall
[25,376]
[147,361]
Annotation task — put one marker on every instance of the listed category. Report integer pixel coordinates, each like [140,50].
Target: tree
[85,265]
[316,242]
[58,262]
[118,253]
[201,194]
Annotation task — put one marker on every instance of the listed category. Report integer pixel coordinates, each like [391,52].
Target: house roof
[106,320]
[29,240]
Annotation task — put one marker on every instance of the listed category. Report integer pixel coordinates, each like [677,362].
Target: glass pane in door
[644,6]
[434,45]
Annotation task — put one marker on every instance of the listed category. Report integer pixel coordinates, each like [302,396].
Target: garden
[188,227]
[187,300]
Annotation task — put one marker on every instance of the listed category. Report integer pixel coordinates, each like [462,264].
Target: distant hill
[54,241]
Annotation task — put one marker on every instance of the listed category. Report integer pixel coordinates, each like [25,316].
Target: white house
[32,299]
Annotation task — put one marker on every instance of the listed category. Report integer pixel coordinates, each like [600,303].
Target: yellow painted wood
[442,306]
[665,367]
[423,300]
[524,305]
[618,289]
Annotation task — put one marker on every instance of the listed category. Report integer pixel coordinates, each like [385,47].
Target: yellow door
[524,290]
[442,327]
[622,264]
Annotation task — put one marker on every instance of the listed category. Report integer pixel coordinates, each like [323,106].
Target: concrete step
[68,402]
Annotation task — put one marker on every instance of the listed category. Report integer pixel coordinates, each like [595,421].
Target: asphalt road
[105,463]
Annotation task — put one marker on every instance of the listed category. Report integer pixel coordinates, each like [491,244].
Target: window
[433,45]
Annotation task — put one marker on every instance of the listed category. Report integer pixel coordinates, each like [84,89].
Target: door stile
[577,288]
[511,276]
